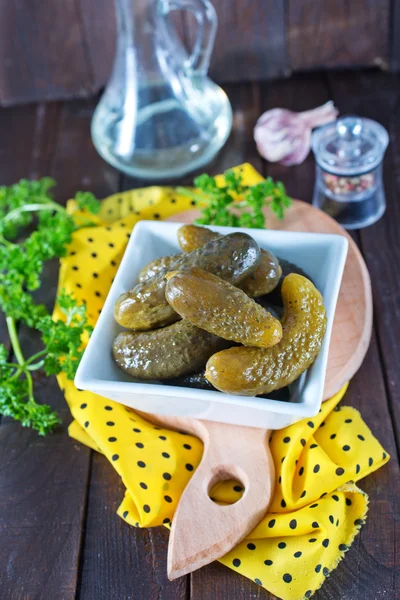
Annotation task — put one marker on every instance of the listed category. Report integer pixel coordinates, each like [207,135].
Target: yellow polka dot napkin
[316,510]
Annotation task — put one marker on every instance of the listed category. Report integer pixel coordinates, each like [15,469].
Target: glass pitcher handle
[198,61]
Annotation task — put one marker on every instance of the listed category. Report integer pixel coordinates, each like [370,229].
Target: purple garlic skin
[284,136]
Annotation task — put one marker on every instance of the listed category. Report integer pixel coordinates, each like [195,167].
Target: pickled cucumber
[255,371]
[275,295]
[265,278]
[200,382]
[262,281]
[167,352]
[191,237]
[157,265]
[220,308]
[232,258]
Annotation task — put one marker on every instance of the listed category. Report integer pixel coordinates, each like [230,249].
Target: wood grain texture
[53,50]
[251,41]
[203,531]
[395,36]
[364,573]
[99,34]
[23,160]
[119,561]
[42,483]
[42,52]
[337,33]
[370,569]
[132,563]
[380,243]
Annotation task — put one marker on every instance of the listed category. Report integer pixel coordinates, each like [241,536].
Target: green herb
[235,204]
[21,266]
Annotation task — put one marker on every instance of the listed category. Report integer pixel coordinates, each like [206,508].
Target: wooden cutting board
[352,326]
[203,531]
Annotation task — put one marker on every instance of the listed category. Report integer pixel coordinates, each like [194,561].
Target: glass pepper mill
[348,186]
[160,115]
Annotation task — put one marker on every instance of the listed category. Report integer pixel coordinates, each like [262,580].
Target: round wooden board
[352,326]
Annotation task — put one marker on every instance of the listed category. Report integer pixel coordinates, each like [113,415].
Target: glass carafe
[160,115]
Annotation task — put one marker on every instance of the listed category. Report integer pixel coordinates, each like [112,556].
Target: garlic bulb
[284,136]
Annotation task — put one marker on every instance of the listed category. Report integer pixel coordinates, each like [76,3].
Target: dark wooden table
[60,536]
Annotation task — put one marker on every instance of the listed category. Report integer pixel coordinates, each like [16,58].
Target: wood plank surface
[395,36]
[60,536]
[251,40]
[43,482]
[377,96]
[42,52]
[55,50]
[120,561]
[99,32]
[338,33]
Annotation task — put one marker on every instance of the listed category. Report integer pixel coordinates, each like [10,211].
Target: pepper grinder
[348,186]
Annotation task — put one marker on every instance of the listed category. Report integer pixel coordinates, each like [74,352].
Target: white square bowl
[322,256]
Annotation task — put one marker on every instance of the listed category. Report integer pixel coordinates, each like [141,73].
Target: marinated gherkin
[232,258]
[199,381]
[157,265]
[263,279]
[191,237]
[275,295]
[255,371]
[221,308]
[171,351]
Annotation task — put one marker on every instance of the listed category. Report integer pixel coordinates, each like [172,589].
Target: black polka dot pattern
[166,468]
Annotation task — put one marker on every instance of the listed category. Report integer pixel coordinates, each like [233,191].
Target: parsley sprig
[235,204]
[22,205]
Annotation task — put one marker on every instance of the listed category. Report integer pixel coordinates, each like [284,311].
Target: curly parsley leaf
[21,266]
[235,204]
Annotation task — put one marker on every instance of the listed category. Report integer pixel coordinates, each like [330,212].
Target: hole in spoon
[226,491]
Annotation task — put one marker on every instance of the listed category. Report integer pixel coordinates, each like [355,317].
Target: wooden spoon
[202,530]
